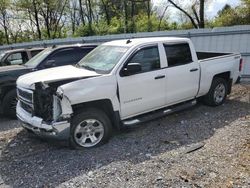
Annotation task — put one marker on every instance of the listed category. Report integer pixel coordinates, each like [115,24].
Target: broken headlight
[57,109]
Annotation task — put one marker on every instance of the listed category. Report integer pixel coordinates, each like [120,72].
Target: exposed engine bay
[47,102]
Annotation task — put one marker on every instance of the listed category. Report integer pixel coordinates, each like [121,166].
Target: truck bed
[208,55]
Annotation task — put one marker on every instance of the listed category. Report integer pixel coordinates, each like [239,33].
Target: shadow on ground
[8,123]
[51,163]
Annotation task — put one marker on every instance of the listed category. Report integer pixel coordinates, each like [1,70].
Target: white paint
[138,93]
[53,74]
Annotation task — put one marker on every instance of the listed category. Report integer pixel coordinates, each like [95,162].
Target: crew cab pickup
[18,57]
[50,57]
[122,83]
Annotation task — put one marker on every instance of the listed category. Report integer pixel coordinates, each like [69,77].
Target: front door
[145,90]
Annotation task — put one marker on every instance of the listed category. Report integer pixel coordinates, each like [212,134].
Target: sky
[211,8]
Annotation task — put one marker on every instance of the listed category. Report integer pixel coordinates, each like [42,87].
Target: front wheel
[217,93]
[90,128]
[9,104]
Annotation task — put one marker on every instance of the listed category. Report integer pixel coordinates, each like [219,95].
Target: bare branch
[185,12]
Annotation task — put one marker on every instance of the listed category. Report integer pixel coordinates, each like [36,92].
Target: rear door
[182,73]
[143,91]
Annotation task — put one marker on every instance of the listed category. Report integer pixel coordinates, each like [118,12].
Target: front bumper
[57,130]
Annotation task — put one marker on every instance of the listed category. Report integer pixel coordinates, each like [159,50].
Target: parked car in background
[50,57]
[123,83]
[18,57]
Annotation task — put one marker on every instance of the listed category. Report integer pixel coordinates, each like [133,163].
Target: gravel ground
[199,147]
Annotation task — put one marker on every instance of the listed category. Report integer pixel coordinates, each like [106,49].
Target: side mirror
[132,68]
[49,63]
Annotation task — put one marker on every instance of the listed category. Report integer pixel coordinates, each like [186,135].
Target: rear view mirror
[49,63]
[132,68]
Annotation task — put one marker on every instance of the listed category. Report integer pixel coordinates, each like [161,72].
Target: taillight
[241,64]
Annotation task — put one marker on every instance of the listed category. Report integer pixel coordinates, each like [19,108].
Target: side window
[80,53]
[25,57]
[85,50]
[178,54]
[148,58]
[17,58]
[35,52]
[63,57]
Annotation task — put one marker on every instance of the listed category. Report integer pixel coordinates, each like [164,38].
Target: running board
[158,113]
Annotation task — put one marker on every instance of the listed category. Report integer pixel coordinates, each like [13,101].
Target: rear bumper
[56,130]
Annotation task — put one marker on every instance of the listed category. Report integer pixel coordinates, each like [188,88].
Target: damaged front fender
[65,107]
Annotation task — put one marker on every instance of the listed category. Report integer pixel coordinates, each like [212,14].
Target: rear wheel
[217,93]
[90,128]
[9,104]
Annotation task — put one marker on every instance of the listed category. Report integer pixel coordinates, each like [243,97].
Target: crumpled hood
[53,75]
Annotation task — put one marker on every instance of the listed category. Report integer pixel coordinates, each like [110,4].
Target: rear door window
[79,53]
[178,54]
[16,58]
[68,56]
[34,52]
[63,57]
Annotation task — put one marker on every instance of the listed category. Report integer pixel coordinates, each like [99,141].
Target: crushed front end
[44,110]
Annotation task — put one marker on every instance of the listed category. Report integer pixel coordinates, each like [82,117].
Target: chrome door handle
[159,77]
[193,70]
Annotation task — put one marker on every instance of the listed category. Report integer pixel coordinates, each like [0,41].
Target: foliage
[229,16]
[27,20]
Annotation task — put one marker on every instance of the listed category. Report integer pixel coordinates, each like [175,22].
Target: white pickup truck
[122,83]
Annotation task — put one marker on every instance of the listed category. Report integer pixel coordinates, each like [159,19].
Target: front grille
[26,99]
[26,107]
[25,94]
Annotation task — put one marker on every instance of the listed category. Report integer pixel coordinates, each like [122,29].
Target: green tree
[245,11]
[4,17]
[227,16]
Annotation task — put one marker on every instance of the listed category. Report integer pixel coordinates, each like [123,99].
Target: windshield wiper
[87,67]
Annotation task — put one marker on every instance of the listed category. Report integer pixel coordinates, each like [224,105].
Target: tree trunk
[81,12]
[161,18]
[148,14]
[125,16]
[37,20]
[5,28]
[89,16]
[106,12]
[201,23]
[185,12]
[133,30]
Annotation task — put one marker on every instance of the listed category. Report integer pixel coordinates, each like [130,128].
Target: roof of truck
[138,41]
[91,45]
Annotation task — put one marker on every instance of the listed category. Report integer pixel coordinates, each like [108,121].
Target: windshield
[2,54]
[103,58]
[36,60]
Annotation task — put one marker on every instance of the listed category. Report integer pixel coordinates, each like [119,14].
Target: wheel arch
[104,105]
[226,76]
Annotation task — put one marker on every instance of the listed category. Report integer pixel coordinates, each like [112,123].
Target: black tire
[209,98]
[86,114]
[9,107]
